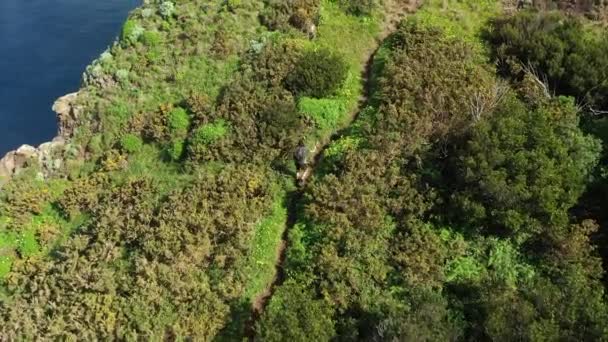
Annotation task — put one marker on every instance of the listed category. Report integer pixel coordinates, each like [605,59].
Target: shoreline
[50,155]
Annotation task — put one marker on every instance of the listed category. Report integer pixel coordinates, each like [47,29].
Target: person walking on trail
[301,159]
[522,4]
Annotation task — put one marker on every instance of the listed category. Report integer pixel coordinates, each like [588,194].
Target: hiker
[311,31]
[522,4]
[300,157]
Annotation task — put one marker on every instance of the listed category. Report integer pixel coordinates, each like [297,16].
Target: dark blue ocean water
[45,46]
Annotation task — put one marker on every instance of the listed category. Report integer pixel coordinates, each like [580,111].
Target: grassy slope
[151,74]
[329,115]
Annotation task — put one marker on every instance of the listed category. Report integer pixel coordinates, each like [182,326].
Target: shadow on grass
[240,315]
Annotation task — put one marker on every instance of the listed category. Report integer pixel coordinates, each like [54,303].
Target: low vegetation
[465,202]
[445,214]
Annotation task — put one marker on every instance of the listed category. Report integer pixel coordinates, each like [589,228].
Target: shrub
[176,150]
[275,61]
[573,60]
[223,44]
[281,14]
[232,5]
[131,143]
[122,75]
[151,38]
[106,57]
[265,120]
[131,31]
[319,73]
[201,107]
[179,122]
[210,133]
[95,145]
[294,315]
[523,169]
[147,12]
[166,9]
[358,7]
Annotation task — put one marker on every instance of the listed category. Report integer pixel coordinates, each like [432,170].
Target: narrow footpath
[395,12]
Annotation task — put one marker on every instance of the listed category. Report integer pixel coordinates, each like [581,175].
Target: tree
[295,315]
[522,169]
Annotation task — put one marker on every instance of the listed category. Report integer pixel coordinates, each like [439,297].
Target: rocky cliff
[48,156]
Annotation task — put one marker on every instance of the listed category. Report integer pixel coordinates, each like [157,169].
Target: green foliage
[442,214]
[295,315]
[319,73]
[166,9]
[179,122]
[425,86]
[148,259]
[151,38]
[5,265]
[280,14]
[261,262]
[459,19]
[344,145]
[131,32]
[95,144]
[210,133]
[523,169]
[359,7]
[27,243]
[176,149]
[326,113]
[572,59]
[131,143]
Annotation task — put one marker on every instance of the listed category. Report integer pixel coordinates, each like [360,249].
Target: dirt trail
[395,11]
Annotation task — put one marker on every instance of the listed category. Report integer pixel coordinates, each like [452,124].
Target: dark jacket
[301,155]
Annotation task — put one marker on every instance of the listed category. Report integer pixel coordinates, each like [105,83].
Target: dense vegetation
[465,202]
[170,224]
[444,214]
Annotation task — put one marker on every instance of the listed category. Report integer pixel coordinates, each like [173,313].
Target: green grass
[461,19]
[261,263]
[353,38]
[42,234]
[148,162]
[326,113]
[8,243]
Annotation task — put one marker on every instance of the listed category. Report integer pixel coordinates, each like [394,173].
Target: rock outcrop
[48,156]
[68,113]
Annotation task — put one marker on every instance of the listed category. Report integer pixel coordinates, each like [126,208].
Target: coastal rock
[14,161]
[49,156]
[68,113]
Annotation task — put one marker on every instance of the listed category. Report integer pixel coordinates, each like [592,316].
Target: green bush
[294,315]
[95,145]
[572,59]
[319,73]
[131,31]
[176,150]
[151,38]
[358,7]
[122,75]
[179,122]
[210,133]
[283,14]
[166,9]
[522,170]
[131,143]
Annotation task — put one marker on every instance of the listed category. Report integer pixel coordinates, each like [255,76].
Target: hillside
[455,186]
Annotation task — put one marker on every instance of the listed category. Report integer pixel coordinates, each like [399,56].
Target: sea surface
[45,46]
